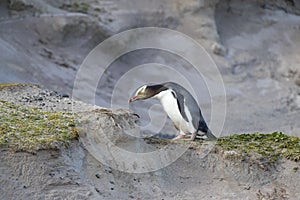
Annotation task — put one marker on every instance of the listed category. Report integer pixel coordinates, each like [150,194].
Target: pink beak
[133,99]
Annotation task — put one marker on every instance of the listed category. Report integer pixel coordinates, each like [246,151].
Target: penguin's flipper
[180,104]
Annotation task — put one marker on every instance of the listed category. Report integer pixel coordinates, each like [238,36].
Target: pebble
[109,170]
[295,169]
[219,49]
[51,174]
[297,81]
[97,190]
[98,175]
[65,96]
[40,98]
[52,93]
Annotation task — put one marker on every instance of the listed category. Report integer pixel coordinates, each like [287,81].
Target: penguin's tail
[210,135]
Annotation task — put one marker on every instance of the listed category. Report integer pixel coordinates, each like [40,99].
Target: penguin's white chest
[169,103]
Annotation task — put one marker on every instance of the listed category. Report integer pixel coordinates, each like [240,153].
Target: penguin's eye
[140,92]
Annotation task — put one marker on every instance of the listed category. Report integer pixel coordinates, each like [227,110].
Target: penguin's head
[147,91]
[140,94]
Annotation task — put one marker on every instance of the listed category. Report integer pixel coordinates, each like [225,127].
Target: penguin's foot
[180,136]
[193,136]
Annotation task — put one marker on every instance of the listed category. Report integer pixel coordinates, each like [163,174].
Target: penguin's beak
[134,98]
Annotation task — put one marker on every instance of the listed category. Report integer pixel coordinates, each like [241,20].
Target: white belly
[170,106]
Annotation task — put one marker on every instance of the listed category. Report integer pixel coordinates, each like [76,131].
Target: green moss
[76,7]
[97,9]
[29,129]
[9,85]
[80,7]
[84,7]
[155,140]
[268,146]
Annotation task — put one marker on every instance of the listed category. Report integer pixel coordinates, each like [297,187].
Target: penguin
[180,106]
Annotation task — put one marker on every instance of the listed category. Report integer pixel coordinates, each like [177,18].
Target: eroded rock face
[262,56]
[73,173]
[61,34]
[46,175]
[76,172]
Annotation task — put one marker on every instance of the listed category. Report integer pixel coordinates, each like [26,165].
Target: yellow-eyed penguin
[180,106]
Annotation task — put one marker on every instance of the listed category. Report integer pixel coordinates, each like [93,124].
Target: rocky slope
[75,173]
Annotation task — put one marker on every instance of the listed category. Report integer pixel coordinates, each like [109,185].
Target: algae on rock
[266,146]
[29,129]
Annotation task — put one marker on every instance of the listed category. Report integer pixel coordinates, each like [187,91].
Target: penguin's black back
[183,95]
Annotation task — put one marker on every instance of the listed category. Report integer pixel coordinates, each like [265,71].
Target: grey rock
[219,49]
[297,80]
[98,175]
